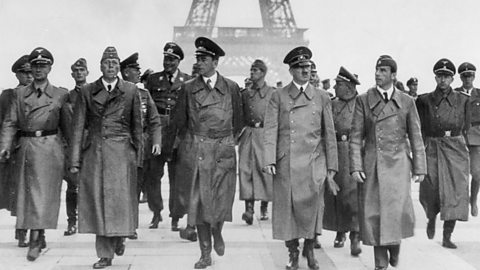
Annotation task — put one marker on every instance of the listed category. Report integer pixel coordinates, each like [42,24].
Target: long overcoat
[107,200]
[341,211]
[445,189]
[6,185]
[300,141]
[254,183]
[206,168]
[39,161]
[378,147]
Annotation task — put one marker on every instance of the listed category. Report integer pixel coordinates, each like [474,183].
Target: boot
[21,235]
[293,252]
[394,251]
[34,246]
[473,197]
[448,226]
[317,244]
[205,242]
[263,210]
[102,263]
[218,244]
[41,238]
[175,224]
[339,240]
[71,229]
[248,215]
[355,248]
[120,246]
[188,233]
[311,261]
[71,205]
[431,228]
[157,217]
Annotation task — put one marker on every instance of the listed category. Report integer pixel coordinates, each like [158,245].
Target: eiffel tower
[243,45]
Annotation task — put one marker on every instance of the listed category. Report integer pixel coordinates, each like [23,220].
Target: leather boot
[218,244]
[41,238]
[21,235]
[120,246]
[448,226]
[339,240]
[431,228]
[34,246]
[263,210]
[248,215]
[293,253]
[188,233]
[311,261]
[355,248]
[394,251]
[157,217]
[102,263]
[71,205]
[205,242]
[174,226]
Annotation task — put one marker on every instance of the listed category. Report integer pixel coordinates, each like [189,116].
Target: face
[256,74]
[467,79]
[40,71]
[342,88]
[326,85]
[206,65]
[110,68]
[413,87]
[384,76]
[301,74]
[314,79]
[170,64]
[443,81]
[79,74]
[24,77]
[132,75]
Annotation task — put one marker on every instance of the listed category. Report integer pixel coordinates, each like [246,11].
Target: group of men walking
[342,164]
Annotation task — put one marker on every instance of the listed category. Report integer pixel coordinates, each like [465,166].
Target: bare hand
[418,178]
[73,169]
[4,155]
[270,169]
[359,177]
[156,149]
[332,185]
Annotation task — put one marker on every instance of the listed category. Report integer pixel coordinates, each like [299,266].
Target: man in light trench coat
[380,161]
[107,199]
[300,153]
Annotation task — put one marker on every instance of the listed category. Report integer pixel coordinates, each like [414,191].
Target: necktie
[170,78]
[385,96]
[209,83]
[301,89]
[39,92]
[109,87]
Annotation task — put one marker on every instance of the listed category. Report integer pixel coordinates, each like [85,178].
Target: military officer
[467,75]
[341,211]
[300,153]
[130,70]
[23,72]
[37,113]
[164,87]
[209,116]
[314,79]
[445,116]
[380,162]
[79,75]
[412,85]
[108,159]
[254,184]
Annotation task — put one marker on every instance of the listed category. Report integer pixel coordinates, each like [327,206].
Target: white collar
[298,85]
[389,91]
[175,74]
[213,79]
[468,91]
[113,84]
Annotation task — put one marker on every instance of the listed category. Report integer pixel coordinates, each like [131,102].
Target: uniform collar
[438,96]
[113,84]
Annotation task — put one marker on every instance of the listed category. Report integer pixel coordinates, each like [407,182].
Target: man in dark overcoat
[8,199]
[38,118]
[108,159]
[380,161]
[209,114]
[300,153]
[467,75]
[445,116]
[254,184]
[341,211]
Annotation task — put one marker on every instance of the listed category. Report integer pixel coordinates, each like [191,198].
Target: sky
[349,33]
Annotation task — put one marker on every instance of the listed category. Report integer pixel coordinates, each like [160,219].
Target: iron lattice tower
[243,45]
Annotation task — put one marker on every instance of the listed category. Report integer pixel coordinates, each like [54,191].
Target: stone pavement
[247,247]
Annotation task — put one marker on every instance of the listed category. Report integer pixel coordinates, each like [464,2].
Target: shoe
[21,235]
[248,217]
[120,248]
[380,267]
[34,246]
[218,244]
[339,240]
[134,236]
[355,248]
[71,230]
[431,228]
[157,217]
[394,254]
[102,263]
[175,225]
[188,234]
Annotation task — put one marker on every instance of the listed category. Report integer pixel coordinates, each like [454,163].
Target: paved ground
[247,247]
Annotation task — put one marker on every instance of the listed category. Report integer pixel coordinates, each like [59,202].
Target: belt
[38,133]
[343,137]
[166,111]
[445,133]
[214,134]
[256,124]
